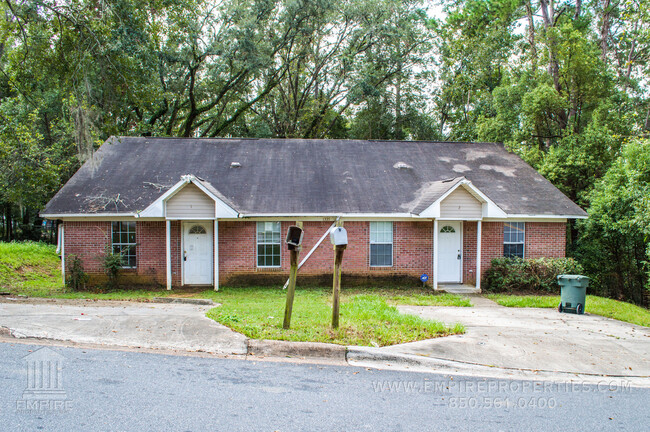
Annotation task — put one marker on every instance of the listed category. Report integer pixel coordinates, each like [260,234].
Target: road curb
[202,302]
[380,359]
[369,354]
[313,350]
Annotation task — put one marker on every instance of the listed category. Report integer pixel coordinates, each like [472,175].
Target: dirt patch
[25,269]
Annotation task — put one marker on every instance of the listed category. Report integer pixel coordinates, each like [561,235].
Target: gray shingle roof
[295,176]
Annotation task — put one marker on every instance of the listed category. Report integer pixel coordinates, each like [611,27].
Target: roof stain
[506,171]
[460,168]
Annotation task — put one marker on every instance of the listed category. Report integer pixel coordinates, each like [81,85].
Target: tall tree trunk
[531,34]
[548,15]
[604,29]
[398,105]
[630,59]
[578,9]
[553,66]
[9,221]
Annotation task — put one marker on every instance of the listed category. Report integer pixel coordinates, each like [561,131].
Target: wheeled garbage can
[573,293]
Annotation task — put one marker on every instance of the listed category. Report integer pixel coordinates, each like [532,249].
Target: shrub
[112,266]
[76,276]
[527,275]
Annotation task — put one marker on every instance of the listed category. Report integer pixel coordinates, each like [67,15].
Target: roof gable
[223,208]
[489,208]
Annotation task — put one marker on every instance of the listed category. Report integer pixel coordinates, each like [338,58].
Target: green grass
[366,319]
[525,300]
[368,315]
[30,267]
[429,299]
[606,307]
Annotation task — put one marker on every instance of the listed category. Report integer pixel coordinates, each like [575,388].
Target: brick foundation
[412,251]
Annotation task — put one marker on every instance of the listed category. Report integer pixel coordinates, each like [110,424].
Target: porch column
[216,255]
[478,255]
[435,254]
[168,253]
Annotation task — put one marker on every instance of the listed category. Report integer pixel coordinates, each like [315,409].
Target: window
[268,244]
[197,229]
[513,239]
[447,229]
[381,244]
[124,242]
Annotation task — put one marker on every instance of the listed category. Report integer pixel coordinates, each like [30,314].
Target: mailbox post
[339,238]
[294,242]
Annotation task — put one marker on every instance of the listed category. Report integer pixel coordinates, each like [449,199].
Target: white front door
[197,253]
[449,251]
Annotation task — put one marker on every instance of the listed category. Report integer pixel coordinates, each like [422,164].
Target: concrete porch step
[459,288]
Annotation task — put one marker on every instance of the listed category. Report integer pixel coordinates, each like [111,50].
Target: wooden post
[336,289]
[291,290]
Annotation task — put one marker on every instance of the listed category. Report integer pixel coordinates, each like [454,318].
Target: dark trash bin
[573,293]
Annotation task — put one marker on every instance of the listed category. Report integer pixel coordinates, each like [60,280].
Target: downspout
[60,248]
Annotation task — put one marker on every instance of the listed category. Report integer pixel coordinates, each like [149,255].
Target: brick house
[188,211]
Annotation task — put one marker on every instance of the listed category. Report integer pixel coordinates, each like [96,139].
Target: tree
[615,239]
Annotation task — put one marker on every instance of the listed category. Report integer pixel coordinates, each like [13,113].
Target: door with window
[449,252]
[197,253]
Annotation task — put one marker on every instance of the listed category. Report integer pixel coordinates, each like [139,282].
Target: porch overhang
[489,208]
[223,207]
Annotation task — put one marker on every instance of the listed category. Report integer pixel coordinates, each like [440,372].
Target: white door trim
[460,248]
[209,226]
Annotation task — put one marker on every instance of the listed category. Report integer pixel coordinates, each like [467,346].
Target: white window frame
[258,243]
[522,242]
[121,245]
[391,243]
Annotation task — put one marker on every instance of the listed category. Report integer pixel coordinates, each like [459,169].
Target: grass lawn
[366,319]
[606,307]
[368,315]
[29,267]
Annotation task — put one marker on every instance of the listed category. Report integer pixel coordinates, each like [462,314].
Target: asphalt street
[135,391]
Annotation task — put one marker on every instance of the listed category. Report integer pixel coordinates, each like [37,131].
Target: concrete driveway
[145,325]
[535,339]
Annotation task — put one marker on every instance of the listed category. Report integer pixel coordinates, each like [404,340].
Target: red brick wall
[491,243]
[412,249]
[545,239]
[88,241]
[469,252]
[542,239]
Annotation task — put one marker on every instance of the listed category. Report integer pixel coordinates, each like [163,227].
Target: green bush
[112,266]
[527,275]
[76,277]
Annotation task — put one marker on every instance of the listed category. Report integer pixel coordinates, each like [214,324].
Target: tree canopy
[564,84]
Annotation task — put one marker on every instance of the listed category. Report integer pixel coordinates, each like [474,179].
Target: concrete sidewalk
[535,340]
[172,326]
[500,342]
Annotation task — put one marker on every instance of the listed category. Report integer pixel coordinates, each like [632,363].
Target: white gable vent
[402,165]
[235,165]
